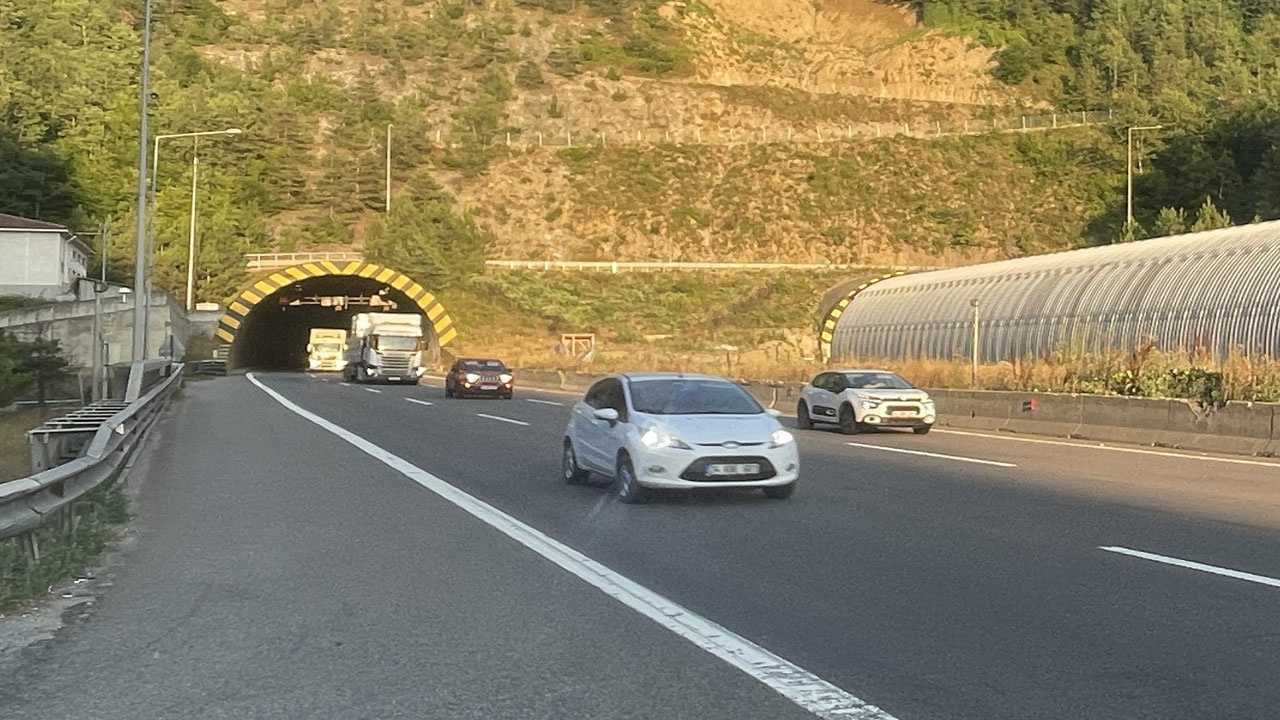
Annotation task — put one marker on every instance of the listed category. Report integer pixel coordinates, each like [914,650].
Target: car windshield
[483,366]
[691,397]
[397,344]
[877,381]
[328,347]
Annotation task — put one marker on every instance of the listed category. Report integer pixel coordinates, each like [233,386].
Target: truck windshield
[396,344]
[328,347]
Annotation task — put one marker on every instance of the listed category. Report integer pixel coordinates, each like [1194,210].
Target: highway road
[312,549]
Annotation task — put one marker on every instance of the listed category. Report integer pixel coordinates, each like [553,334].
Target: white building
[40,259]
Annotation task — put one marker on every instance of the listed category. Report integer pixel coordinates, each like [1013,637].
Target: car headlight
[655,439]
[505,378]
[472,378]
[781,437]
[928,402]
[870,404]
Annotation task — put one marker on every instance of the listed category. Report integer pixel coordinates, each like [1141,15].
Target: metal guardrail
[28,503]
[276,261]
[617,267]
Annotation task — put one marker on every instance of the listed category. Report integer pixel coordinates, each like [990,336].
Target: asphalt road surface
[356,552]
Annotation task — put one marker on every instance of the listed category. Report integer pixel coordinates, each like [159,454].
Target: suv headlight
[655,439]
[869,404]
[472,378]
[781,437]
[505,378]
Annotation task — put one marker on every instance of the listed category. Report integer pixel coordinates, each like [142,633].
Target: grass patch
[15,459]
[62,555]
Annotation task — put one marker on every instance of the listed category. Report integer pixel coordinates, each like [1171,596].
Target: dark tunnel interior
[275,333]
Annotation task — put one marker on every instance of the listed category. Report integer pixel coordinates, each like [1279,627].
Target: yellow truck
[327,350]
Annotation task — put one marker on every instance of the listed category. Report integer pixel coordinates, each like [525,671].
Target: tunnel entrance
[269,323]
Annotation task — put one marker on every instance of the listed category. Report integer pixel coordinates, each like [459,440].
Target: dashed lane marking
[1190,565]
[957,458]
[499,418]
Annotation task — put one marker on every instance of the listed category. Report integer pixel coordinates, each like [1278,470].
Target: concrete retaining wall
[1235,428]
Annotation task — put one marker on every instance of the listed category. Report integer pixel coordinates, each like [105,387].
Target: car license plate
[394,378]
[903,413]
[488,387]
[733,469]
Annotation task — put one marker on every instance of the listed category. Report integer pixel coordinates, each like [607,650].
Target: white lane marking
[418,402]
[346,384]
[957,458]
[791,681]
[544,402]
[1225,572]
[1112,448]
[499,418]
[371,390]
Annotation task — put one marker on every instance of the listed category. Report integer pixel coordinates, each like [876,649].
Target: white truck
[385,347]
[326,350]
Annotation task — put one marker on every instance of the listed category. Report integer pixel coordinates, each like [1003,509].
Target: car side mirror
[311,348]
[773,413]
[608,415]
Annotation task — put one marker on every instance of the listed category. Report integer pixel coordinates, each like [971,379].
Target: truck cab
[385,347]
[326,350]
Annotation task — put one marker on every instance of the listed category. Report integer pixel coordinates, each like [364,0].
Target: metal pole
[1129,166]
[977,337]
[140,261]
[389,165]
[191,238]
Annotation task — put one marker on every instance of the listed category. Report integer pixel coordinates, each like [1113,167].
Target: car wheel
[848,421]
[507,396]
[573,475]
[780,492]
[629,489]
[803,421]
[922,430]
[448,391]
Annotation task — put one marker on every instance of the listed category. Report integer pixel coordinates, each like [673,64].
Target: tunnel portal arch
[231,327]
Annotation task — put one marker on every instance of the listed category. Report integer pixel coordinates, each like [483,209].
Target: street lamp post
[1132,130]
[195,166]
[977,337]
[140,261]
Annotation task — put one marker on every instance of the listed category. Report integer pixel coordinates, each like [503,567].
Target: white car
[676,432]
[859,399]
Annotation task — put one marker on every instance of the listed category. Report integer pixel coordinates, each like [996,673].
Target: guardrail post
[30,546]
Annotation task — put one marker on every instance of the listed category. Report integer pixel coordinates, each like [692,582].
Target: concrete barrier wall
[1234,428]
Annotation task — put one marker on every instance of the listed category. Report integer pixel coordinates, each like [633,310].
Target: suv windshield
[483,366]
[397,344]
[691,397]
[877,381]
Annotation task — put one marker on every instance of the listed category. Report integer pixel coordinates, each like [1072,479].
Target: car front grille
[902,408]
[697,470]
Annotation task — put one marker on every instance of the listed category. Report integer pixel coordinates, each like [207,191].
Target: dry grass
[15,460]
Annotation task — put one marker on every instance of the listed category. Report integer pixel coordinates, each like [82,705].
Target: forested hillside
[315,85]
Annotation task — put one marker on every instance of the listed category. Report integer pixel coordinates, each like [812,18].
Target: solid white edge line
[499,418]
[372,390]
[1084,445]
[957,458]
[787,679]
[1191,565]
[416,401]
[544,402]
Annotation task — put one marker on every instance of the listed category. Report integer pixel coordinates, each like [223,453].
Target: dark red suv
[474,377]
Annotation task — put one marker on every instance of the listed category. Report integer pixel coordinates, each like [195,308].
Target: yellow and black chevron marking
[240,307]
[828,331]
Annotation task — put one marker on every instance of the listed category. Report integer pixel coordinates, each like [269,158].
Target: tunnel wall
[241,305]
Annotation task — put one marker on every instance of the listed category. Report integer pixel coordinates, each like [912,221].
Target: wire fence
[774,134]
[624,267]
